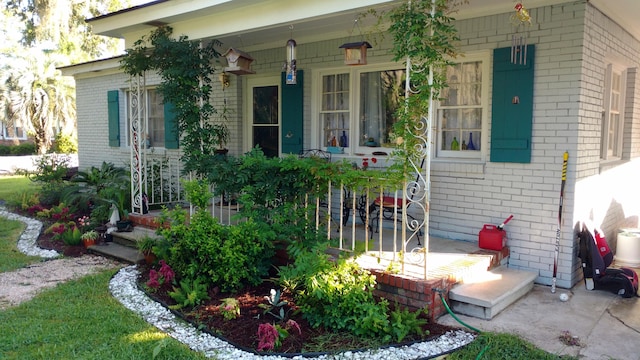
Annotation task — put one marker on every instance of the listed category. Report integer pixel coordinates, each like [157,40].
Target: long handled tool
[555,258]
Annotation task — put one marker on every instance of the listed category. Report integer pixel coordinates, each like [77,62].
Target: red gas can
[492,238]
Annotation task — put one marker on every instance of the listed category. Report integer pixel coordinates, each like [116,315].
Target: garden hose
[446,306]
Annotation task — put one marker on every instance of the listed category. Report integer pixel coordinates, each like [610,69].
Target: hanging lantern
[290,63]
[355,53]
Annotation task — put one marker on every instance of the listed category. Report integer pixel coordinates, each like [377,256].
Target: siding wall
[571,40]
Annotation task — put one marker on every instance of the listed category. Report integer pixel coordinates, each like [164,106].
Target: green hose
[446,306]
[454,315]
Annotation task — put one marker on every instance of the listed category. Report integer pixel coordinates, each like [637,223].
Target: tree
[41,35]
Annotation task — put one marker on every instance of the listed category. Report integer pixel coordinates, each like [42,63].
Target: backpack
[623,281]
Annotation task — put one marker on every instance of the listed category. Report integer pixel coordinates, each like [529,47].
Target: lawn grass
[497,346]
[17,189]
[81,320]
[10,257]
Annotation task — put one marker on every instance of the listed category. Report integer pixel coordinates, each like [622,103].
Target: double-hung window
[613,113]
[357,107]
[462,109]
[155,127]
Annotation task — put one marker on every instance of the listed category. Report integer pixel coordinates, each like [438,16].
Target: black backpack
[597,274]
[622,281]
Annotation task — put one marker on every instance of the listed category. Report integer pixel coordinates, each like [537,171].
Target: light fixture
[355,53]
[224,80]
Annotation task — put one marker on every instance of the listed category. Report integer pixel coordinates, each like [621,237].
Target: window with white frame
[357,106]
[463,108]
[15,132]
[155,131]
[613,113]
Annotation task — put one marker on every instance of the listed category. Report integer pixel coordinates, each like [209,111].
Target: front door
[264,115]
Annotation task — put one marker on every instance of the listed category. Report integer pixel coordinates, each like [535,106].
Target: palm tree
[34,93]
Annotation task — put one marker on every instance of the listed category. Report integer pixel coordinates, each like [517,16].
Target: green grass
[81,320]
[10,257]
[498,346]
[18,191]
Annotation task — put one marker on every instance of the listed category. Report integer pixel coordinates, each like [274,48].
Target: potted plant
[145,245]
[89,238]
[220,134]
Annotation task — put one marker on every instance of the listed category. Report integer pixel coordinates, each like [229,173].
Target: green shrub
[189,294]
[23,149]
[227,256]
[5,150]
[64,144]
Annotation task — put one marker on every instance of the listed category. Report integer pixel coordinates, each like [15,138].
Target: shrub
[64,144]
[228,256]
[23,149]
[5,150]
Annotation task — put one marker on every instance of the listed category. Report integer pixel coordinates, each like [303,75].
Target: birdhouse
[355,53]
[238,62]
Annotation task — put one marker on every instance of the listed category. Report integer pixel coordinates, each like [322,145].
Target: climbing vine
[186,69]
[423,34]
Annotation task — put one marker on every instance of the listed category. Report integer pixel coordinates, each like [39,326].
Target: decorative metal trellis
[138,130]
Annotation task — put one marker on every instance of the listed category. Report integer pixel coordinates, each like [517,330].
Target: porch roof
[259,24]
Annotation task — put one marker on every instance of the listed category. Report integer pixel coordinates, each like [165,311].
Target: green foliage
[227,256]
[190,293]
[404,322]
[50,173]
[64,144]
[197,193]
[72,236]
[186,70]
[230,308]
[17,150]
[97,188]
[275,306]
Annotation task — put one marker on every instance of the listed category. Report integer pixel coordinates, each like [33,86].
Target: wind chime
[520,19]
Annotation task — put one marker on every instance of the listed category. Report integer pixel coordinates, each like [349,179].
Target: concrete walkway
[606,325]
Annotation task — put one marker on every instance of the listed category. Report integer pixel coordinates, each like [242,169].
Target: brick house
[576,89]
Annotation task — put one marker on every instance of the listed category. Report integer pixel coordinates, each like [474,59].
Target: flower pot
[88,242]
[149,257]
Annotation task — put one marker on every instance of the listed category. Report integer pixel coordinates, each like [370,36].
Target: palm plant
[34,94]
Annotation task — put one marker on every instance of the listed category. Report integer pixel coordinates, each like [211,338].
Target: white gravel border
[124,288]
[27,241]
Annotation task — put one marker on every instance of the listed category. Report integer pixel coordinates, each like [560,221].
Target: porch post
[137,135]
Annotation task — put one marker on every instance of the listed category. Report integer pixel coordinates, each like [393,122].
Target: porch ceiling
[266,23]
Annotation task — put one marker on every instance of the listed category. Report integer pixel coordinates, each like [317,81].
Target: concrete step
[117,251]
[131,238]
[485,295]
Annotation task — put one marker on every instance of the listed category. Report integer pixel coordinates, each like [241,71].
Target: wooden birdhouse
[355,53]
[238,62]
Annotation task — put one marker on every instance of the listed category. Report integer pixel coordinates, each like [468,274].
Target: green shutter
[171,133]
[113,111]
[512,107]
[292,115]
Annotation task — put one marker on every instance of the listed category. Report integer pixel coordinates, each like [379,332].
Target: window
[462,110]
[13,132]
[156,128]
[613,113]
[357,107]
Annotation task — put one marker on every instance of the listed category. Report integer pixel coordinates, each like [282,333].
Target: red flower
[153,279]
[166,271]
[518,6]
[374,160]
[267,336]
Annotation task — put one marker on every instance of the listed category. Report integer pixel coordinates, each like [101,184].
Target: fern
[189,294]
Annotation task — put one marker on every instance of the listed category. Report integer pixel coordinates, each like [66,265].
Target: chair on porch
[391,207]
